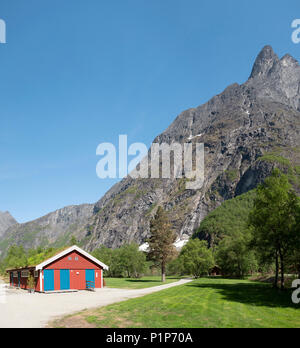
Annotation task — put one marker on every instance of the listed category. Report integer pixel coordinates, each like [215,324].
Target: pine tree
[161,248]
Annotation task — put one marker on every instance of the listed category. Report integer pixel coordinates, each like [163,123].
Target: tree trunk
[276,271]
[163,272]
[240,271]
[282,269]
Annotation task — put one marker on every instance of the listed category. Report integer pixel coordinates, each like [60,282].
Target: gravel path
[24,310]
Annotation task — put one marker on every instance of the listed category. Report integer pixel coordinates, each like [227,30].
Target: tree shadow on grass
[251,293]
[149,280]
[142,281]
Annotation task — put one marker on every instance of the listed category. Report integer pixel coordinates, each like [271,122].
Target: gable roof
[67,251]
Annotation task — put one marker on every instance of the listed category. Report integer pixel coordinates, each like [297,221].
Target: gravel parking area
[24,310]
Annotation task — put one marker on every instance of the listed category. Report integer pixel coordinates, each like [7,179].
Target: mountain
[6,220]
[54,229]
[247,130]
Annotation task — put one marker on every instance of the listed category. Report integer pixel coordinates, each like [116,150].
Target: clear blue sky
[75,73]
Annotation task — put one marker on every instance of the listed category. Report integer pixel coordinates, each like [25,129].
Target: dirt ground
[23,310]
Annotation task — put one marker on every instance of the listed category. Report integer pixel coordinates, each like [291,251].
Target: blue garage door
[90,278]
[48,280]
[64,279]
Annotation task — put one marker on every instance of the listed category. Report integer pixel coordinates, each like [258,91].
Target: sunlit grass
[201,303]
[144,282]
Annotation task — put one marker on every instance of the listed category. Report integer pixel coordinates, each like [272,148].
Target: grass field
[202,303]
[130,283]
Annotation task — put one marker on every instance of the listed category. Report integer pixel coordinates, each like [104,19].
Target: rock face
[6,220]
[237,127]
[244,129]
[54,229]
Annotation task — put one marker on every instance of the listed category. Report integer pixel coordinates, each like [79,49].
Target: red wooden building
[71,269]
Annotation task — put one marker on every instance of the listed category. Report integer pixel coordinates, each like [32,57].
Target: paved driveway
[24,310]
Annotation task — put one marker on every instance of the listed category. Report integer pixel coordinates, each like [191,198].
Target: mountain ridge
[53,229]
[242,123]
[238,127]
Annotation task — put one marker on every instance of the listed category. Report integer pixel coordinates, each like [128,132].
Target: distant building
[215,271]
[70,269]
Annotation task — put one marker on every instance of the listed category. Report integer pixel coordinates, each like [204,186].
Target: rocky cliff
[6,220]
[54,229]
[246,130]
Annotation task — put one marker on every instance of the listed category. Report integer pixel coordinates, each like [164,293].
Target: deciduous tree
[197,258]
[273,219]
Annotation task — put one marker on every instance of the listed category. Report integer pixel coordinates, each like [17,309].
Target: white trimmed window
[76,258]
[36,274]
[70,258]
[24,274]
[15,274]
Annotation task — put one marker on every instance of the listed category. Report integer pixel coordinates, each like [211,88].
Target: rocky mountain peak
[6,221]
[289,61]
[264,62]
[276,79]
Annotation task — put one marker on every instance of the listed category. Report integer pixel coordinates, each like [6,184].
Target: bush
[197,259]
[31,282]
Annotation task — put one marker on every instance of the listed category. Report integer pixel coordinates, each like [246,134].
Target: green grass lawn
[201,303]
[145,282]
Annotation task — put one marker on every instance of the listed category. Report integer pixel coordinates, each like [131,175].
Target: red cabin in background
[71,269]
